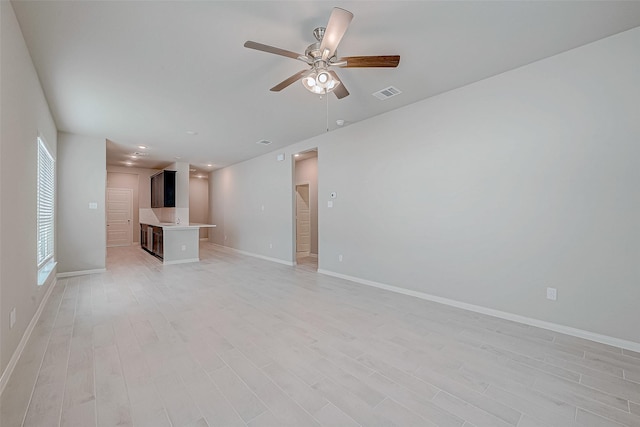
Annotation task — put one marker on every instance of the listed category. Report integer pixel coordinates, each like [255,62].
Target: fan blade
[340,90]
[336,27]
[289,81]
[271,49]
[390,61]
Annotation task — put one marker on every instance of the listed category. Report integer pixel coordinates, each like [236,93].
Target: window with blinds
[46,198]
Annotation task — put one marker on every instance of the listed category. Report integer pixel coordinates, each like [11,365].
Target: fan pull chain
[327,96]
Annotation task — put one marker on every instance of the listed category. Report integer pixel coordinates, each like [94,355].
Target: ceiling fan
[322,55]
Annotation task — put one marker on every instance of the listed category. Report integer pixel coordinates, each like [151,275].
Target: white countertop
[171,226]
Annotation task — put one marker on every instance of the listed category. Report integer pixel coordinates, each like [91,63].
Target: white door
[303,221]
[119,224]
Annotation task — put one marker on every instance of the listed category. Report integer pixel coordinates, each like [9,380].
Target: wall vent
[263,142]
[387,93]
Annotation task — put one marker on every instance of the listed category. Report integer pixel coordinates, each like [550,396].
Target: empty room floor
[309,263]
[235,341]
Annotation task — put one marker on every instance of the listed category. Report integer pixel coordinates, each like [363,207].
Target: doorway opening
[305,187]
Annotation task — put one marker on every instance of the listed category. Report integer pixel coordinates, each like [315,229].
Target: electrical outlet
[184,248]
[552,294]
[270,245]
[329,204]
[340,257]
[12,318]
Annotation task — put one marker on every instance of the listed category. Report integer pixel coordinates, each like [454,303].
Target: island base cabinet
[172,243]
[181,245]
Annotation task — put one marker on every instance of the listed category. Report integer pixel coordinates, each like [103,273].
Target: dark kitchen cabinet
[163,190]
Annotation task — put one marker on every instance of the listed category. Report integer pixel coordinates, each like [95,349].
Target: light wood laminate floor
[309,263]
[235,341]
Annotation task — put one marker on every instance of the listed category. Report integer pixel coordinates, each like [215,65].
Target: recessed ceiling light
[177,157]
[340,122]
[192,170]
[128,163]
[134,156]
[192,132]
[142,147]
[209,165]
[296,155]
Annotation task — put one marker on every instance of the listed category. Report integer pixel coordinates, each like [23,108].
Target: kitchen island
[172,243]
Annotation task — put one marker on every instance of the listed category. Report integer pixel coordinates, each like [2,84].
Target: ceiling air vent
[263,142]
[387,93]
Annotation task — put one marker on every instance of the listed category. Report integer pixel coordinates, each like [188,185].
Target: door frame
[294,246]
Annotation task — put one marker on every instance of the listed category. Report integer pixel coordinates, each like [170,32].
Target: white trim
[80,273]
[6,375]
[180,261]
[568,330]
[251,254]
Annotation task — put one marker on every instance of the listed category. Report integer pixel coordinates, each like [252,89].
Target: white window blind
[46,197]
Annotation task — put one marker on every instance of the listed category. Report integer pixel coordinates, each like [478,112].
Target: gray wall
[306,171]
[81,180]
[252,203]
[485,195]
[144,182]
[23,113]
[217,194]
[182,185]
[199,203]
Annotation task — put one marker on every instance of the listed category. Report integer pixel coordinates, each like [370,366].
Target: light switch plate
[329,204]
[93,205]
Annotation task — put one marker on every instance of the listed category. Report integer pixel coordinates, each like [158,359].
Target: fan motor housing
[313,50]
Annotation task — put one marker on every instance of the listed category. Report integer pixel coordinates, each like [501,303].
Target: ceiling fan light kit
[320,82]
[322,55]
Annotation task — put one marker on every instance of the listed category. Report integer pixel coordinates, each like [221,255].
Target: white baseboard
[579,333]
[6,375]
[251,254]
[80,273]
[181,261]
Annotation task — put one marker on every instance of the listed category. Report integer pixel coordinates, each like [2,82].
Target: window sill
[45,272]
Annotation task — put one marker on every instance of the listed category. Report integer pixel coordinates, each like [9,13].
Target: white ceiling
[147,72]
